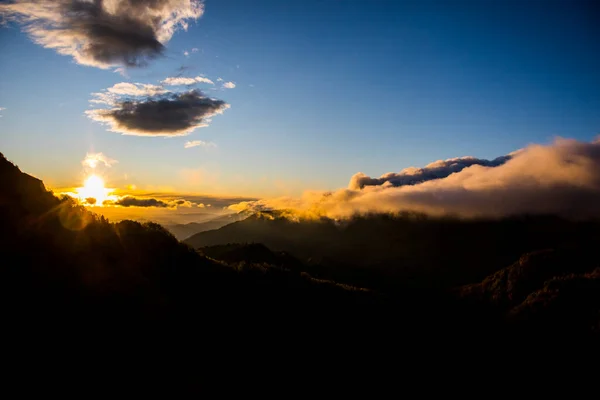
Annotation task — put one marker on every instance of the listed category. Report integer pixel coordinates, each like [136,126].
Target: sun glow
[93,191]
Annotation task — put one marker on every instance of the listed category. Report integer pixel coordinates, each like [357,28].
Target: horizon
[269,89]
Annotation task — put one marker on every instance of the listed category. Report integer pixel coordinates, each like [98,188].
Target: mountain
[407,248]
[74,284]
[546,290]
[57,255]
[251,253]
[184,231]
[81,279]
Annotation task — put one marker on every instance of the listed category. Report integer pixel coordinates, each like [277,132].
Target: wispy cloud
[228,85]
[196,143]
[562,178]
[121,71]
[104,33]
[136,89]
[195,50]
[2,109]
[122,91]
[92,160]
[181,81]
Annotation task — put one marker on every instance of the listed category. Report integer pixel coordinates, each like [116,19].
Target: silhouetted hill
[408,248]
[251,253]
[569,302]
[63,265]
[545,291]
[184,231]
[71,281]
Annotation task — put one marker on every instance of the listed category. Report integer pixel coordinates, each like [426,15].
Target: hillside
[545,291]
[65,265]
[408,248]
[184,231]
[71,280]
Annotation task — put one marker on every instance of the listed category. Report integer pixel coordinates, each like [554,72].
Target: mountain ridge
[77,279]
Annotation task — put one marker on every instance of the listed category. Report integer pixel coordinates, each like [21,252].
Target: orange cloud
[562,178]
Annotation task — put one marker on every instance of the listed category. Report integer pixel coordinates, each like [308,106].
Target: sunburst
[94,191]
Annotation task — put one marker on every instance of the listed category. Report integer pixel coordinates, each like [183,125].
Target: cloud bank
[435,170]
[562,178]
[104,33]
[165,114]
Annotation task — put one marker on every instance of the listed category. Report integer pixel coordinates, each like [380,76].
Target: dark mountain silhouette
[184,231]
[52,245]
[70,269]
[545,291]
[409,248]
[251,253]
[71,282]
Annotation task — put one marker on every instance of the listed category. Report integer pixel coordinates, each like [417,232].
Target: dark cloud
[171,114]
[104,33]
[200,201]
[436,170]
[150,200]
[130,201]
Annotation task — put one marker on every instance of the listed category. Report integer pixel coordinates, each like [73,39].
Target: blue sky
[324,89]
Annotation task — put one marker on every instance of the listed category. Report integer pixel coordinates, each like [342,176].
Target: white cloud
[180,80]
[196,143]
[228,85]
[136,89]
[116,92]
[92,160]
[121,71]
[186,53]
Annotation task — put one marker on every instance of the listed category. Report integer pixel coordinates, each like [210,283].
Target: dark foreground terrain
[378,288]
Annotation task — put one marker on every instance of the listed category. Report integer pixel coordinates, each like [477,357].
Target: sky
[305,94]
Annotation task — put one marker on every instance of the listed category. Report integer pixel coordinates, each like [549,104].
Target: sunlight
[93,188]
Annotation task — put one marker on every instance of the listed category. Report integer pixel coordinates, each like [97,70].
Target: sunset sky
[301,95]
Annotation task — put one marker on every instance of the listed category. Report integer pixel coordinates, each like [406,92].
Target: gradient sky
[324,89]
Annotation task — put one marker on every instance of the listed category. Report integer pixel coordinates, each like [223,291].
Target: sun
[93,190]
